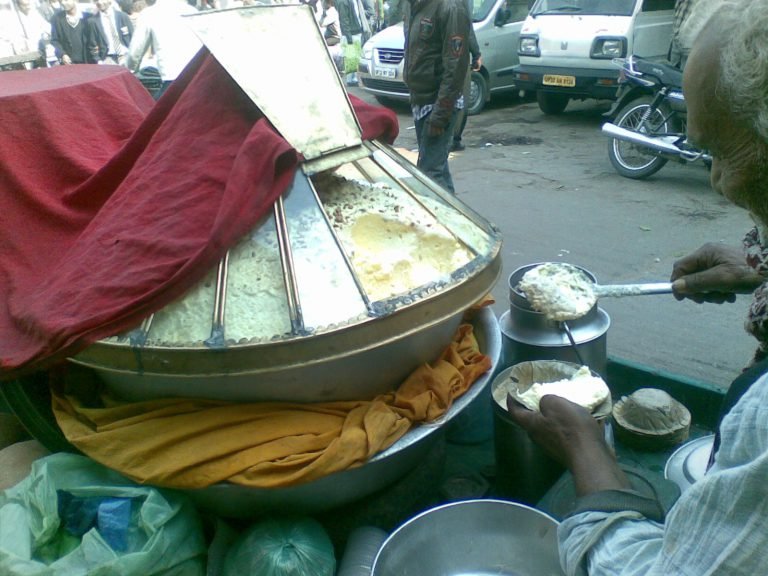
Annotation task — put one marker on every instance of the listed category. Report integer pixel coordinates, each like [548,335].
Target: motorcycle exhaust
[653,143]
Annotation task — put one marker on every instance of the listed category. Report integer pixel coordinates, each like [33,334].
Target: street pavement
[547,184]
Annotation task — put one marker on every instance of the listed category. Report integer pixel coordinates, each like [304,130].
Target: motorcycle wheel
[632,160]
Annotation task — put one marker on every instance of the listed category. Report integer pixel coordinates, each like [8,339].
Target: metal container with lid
[530,335]
[361,272]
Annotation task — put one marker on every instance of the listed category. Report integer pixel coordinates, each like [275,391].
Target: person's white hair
[744,61]
[695,14]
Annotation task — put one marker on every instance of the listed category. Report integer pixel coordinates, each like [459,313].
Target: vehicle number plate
[385,72]
[556,80]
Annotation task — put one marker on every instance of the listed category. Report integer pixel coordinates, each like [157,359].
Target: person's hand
[561,426]
[713,273]
[434,129]
[573,437]
[477,64]
[66,59]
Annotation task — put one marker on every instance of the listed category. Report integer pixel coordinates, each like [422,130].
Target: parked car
[497,26]
[567,48]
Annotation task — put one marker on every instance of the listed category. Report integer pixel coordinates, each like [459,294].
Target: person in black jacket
[435,67]
[108,35]
[68,33]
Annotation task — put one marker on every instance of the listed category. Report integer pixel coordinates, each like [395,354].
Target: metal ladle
[616,291]
[619,290]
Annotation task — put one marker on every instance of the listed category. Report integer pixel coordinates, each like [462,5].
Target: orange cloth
[193,443]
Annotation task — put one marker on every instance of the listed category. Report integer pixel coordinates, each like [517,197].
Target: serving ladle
[620,290]
[617,291]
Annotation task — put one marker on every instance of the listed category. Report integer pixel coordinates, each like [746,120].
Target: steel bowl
[472,537]
[341,488]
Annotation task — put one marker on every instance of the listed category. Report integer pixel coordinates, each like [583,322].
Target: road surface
[548,185]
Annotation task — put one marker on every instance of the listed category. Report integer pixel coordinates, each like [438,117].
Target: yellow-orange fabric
[193,443]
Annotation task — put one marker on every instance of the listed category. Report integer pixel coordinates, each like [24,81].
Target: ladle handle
[618,290]
[573,342]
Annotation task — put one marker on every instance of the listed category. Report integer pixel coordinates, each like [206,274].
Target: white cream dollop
[582,388]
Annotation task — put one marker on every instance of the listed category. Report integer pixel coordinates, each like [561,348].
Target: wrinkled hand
[713,273]
[573,437]
[560,428]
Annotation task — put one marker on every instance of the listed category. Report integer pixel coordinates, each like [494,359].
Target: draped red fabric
[112,206]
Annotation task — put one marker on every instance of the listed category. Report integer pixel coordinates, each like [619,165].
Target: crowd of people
[129,33]
[149,33]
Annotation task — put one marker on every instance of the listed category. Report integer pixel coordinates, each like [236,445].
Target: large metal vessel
[360,273]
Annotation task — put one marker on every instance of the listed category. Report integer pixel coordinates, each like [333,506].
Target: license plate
[556,80]
[385,72]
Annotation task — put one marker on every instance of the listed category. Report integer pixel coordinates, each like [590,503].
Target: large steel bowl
[30,400]
[472,537]
[359,276]
[344,487]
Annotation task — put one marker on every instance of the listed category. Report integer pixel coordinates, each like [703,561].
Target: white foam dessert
[559,291]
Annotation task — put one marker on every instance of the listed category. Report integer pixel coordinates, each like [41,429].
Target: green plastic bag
[282,547]
[352,54]
[45,524]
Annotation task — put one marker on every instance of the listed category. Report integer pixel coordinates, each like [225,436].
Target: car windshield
[598,7]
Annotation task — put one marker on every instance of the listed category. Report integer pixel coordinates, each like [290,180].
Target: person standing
[161,27]
[68,33]
[330,27]
[108,34]
[349,19]
[34,28]
[47,8]
[435,67]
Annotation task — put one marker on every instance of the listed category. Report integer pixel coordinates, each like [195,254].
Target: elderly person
[720,524]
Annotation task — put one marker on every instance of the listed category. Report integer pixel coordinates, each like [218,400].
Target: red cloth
[111,208]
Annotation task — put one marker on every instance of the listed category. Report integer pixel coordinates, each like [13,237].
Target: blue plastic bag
[72,516]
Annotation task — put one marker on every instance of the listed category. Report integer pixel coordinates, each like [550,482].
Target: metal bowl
[30,400]
[472,537]
[231,500]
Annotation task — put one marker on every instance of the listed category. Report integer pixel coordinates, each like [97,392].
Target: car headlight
[367,53]
[529,46]
[607,48]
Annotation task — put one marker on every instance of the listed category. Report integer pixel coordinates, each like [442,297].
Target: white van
[567,47]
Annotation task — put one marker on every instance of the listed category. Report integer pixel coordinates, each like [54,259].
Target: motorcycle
[647,123]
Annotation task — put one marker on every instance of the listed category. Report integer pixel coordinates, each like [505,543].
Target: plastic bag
[352,54]
[72,516]
[282,547]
